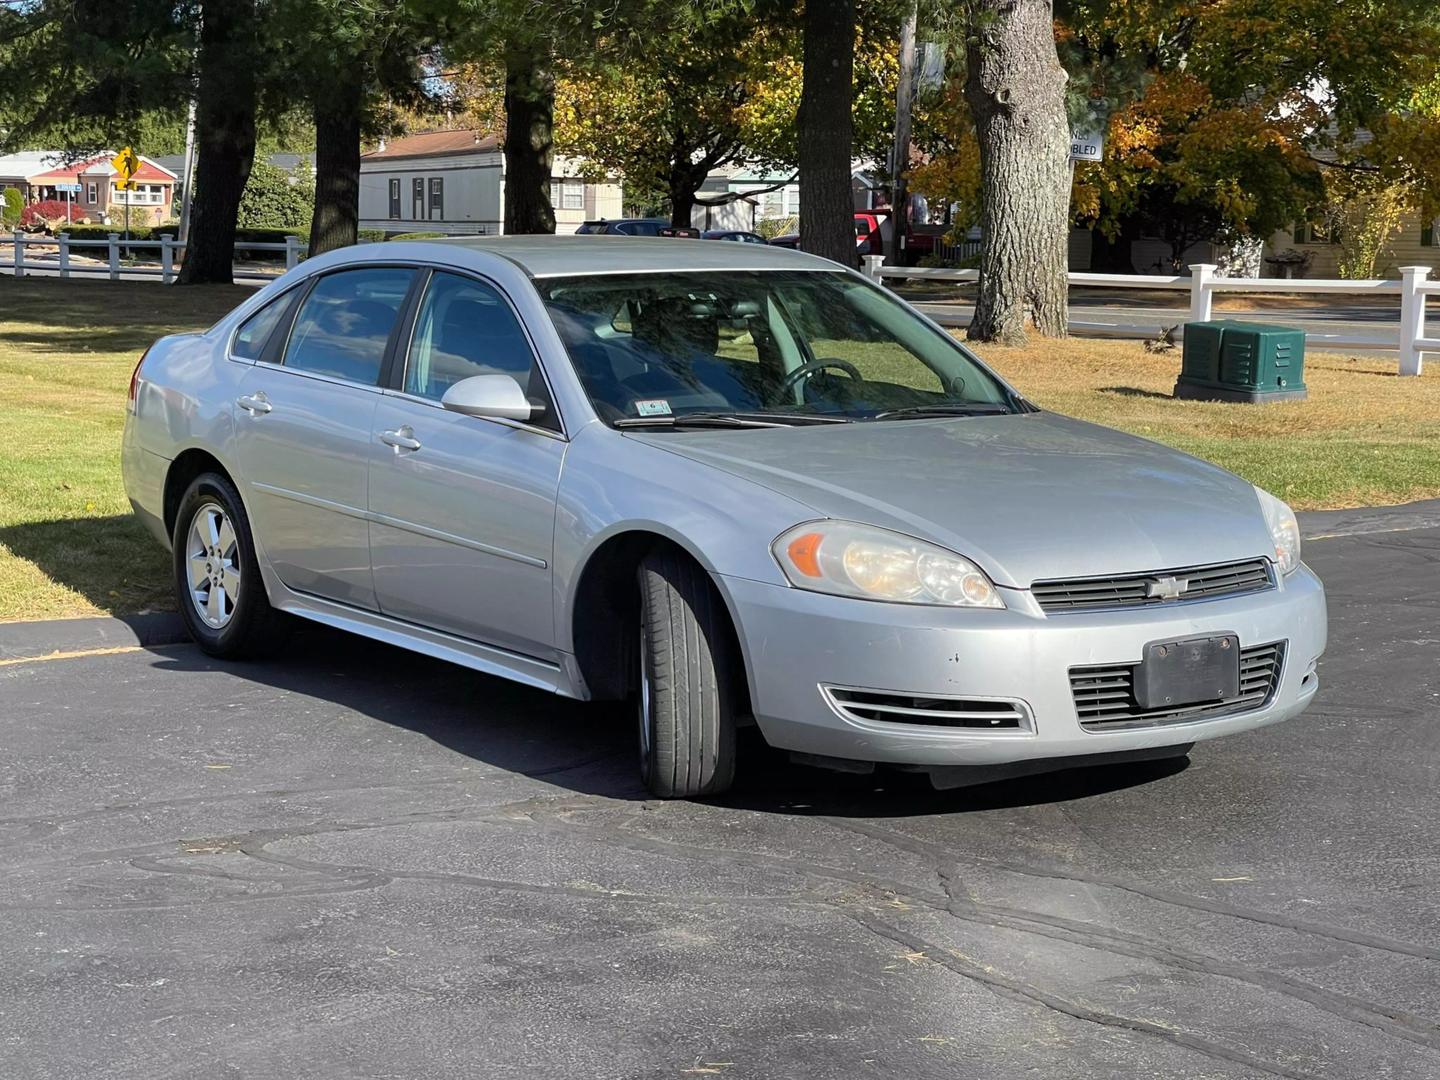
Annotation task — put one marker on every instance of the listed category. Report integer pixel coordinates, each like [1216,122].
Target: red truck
[873,232]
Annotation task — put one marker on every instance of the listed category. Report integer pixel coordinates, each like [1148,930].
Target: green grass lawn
[69,547]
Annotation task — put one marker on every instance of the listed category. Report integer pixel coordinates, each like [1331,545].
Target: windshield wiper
[957,408]
[714,419]
[698,419]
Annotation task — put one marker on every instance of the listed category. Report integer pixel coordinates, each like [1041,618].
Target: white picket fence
[1201,283]
[110,264]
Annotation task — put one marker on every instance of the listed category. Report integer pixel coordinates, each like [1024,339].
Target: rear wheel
[217,578]
[686,694]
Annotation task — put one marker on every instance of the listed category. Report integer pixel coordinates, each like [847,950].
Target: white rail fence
[109,263]
[1413,287]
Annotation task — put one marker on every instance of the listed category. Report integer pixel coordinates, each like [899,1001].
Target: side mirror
[490,395]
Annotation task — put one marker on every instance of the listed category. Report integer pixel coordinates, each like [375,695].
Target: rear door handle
[255,405]
[401,439]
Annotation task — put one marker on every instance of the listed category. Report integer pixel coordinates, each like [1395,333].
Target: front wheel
[688,667]
[217,578]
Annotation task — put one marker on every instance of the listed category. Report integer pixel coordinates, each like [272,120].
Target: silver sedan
[734,484]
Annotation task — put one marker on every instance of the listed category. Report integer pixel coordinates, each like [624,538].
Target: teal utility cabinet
[1239,361]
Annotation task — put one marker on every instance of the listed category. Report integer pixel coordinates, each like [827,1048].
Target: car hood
[1028,497]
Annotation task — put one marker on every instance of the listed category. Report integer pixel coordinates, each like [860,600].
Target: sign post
[126,164]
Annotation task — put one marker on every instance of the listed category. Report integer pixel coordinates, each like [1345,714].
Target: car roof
[563,256]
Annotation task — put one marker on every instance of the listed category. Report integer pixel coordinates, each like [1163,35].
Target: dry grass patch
[1364,436]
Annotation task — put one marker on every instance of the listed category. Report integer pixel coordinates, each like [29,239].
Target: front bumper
[795,642]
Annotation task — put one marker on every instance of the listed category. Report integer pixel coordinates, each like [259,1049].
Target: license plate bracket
[1190,671]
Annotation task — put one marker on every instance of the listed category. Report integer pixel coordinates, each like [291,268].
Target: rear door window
[345,323]
[254,332]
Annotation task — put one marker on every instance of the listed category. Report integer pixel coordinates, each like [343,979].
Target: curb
[24,640]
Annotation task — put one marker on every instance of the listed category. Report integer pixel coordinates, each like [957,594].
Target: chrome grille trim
[892,710]
[1105,693]
[1132,590]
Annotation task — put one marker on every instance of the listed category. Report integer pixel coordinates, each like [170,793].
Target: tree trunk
[336,219]
[225,135]
[1016,90]
[529,141]
[826,131]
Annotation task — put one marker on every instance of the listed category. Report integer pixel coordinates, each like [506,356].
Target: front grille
[981,714]
[1105,694]
[1134,590]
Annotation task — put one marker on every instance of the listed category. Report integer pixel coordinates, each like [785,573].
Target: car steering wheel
[804,371]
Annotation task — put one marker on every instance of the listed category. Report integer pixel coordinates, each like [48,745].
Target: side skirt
[562,678]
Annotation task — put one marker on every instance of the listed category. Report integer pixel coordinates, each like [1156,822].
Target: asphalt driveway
[359,863]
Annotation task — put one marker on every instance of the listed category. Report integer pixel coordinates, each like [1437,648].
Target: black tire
[687,693]
[252,627]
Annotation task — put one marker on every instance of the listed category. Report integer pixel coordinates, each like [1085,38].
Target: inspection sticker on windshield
[658,407]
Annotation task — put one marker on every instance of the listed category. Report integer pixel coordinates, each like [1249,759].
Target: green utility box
[1240,361]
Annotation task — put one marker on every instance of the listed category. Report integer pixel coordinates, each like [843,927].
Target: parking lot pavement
[355,862]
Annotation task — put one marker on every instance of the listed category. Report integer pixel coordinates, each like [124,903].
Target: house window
[1310,233]
[792,201]
[140,195]
[437,197]
[92,193]
[572,195]
[1428,234]
[417,198]
[394,198]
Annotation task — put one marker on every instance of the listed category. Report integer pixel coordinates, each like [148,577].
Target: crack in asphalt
[1006,985]
[1167,896]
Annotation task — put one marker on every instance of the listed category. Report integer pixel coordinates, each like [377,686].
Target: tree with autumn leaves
[1230,119]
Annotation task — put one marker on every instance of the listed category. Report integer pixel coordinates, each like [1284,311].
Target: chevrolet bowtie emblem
[1167,588]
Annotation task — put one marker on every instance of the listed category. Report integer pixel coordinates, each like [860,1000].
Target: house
[454,182]
[92,185]
[1309,251]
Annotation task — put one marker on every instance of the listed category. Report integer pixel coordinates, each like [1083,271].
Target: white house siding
[470,187]
[473,186]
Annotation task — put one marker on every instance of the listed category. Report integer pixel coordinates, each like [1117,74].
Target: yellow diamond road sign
[127,164]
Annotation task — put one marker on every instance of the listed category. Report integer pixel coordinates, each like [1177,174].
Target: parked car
[873,232]
[625,227]
[733,484]
[737,235]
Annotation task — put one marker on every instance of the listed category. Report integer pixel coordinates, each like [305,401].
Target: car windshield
[777,344]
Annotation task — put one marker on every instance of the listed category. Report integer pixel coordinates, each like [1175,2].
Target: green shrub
[371,234]
[276,199]
[13,208]
[414,235]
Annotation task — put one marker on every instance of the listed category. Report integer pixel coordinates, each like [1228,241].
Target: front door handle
[254,405]
[401,439]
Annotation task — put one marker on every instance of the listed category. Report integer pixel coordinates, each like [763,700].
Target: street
[1334,325]
[356,862]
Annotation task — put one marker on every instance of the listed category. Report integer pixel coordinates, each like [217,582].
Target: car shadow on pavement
[590,748]
[111,561]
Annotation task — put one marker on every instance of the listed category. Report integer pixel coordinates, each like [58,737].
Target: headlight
[848,559]
[1284,531]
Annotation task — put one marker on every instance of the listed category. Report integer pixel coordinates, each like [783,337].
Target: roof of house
[435,144]
[150,171]
[23,163]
